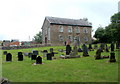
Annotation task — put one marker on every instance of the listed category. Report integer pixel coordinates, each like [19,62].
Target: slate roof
[70,22]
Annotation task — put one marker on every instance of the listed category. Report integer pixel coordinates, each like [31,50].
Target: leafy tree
[38,37]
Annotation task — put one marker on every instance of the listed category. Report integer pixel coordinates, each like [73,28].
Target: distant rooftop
[71,22]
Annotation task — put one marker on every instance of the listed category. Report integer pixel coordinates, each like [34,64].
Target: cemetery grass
[83,69]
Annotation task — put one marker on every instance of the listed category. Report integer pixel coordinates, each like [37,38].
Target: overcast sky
[22,19]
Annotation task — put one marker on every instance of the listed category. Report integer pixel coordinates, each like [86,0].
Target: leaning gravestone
[9,57]
[5,52]
[20,56]
[49,56]
[98,54]
[112,54]
[85,50]
[39,60]
[80,50]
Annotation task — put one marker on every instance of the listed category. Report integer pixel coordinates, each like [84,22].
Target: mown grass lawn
[83,69]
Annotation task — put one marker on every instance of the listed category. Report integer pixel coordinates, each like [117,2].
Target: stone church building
[55,31]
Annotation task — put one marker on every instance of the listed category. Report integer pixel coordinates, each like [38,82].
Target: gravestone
[51,51]
[33,57]
[112,54]
[35,52]
[49,56]
[45,53]
[85,50]
[29,55]
[68,49]
[112,47]
[107,50]
[117,45]
[8,57]
[80,50]
[90,47]
[98,54]
[20,56]
[5,52]
[74,54]
[39,60]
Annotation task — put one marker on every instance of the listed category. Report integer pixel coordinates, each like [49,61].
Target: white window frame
[70,29]
[77,30]
[61,29]
[85,30]
[61,38]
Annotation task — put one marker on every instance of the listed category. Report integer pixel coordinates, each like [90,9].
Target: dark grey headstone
[49,56]
[85,50]
[112,57]
[68,49]
[9,57]
[39,60]
[112,47]
[20,56]
[33,57]
[90,46]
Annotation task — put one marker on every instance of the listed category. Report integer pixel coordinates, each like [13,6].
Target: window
[85,30]
[60,38]
[61,29]
[77,30]
[85,38]
[70,38]
[69,29]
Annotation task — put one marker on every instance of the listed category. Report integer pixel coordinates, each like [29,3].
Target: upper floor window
[61,29]
[85,30]
[77,30]
[69,29]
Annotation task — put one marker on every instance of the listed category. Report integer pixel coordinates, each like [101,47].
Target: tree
[38,37]
[100,35]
